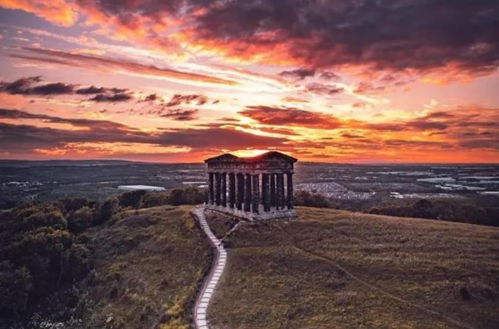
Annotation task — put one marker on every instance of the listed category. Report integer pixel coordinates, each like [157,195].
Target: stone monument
[254,188]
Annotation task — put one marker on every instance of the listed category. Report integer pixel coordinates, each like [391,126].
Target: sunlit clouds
[343,81]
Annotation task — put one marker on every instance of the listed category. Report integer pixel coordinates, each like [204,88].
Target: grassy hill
[78,264]
[338,269]
[148,266]
[143,268]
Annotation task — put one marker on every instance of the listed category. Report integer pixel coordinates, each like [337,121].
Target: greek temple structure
[254,188]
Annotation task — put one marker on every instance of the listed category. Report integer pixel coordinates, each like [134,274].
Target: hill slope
[337,269]
[148,266]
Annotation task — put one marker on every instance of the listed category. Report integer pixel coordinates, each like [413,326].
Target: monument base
[273,213]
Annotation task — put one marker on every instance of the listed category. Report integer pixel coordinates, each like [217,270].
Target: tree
[15,285]
[81,219]
[132,199]
[106,210]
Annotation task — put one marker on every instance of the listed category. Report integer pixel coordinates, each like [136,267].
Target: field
[337,269]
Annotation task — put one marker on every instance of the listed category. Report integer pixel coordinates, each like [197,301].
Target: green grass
[338,269]
[149,264]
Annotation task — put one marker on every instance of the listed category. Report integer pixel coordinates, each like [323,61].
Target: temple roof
[222,157]
[227,157]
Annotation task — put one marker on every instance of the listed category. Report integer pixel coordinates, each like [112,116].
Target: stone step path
[210,283]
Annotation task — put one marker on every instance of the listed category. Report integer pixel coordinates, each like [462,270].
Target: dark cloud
[384,34]
[467,125]
[151,98]
[218,138]
[91,90]
[392,35]
[18,138]
[112,98]
[57,88]
[92,125]
[178,99]
[298,74]
[323,89]
[291,117]
[425,124]
[20,86]
[480,143]
[402,143]
[351,135]
[32,86]
[180,114]
[329,75]
[28,86]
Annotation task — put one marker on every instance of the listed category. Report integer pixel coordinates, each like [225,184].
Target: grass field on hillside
[337,269]
[149,263]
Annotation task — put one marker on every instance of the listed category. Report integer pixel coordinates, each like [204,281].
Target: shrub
[187,195]
[15,285]
[106,210]
[81,219]
[32,217]
[132,199]
[154,199]
[49,257]
[73,204]
[38,254]
[443,209]
[176,196]
[307,199]
[79,262]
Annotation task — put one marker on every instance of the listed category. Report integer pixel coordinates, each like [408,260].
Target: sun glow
[246,153]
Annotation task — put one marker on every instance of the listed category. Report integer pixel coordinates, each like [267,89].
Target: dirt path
[211,281]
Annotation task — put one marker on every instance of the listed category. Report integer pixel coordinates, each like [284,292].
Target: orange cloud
[57,11]
[107,64]
[291,117]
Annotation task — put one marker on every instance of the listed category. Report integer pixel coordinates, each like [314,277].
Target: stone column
[265,192]
[289,197]
[224,189]
[240,191]
[272,191]
[232,190]
[217,188]
[247,193]
[211,192]
[280,191]
[256,193]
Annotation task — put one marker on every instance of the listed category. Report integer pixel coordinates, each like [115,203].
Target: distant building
[255,188]
[140,188]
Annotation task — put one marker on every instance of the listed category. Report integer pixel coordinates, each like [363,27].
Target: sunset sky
[363,81]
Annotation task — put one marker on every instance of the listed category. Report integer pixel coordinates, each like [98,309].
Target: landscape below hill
[467,193]
[129,262]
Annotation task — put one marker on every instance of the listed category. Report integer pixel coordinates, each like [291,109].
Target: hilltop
[142,268]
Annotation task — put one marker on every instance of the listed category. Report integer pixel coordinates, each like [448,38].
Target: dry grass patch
[220,224]
[407,273]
